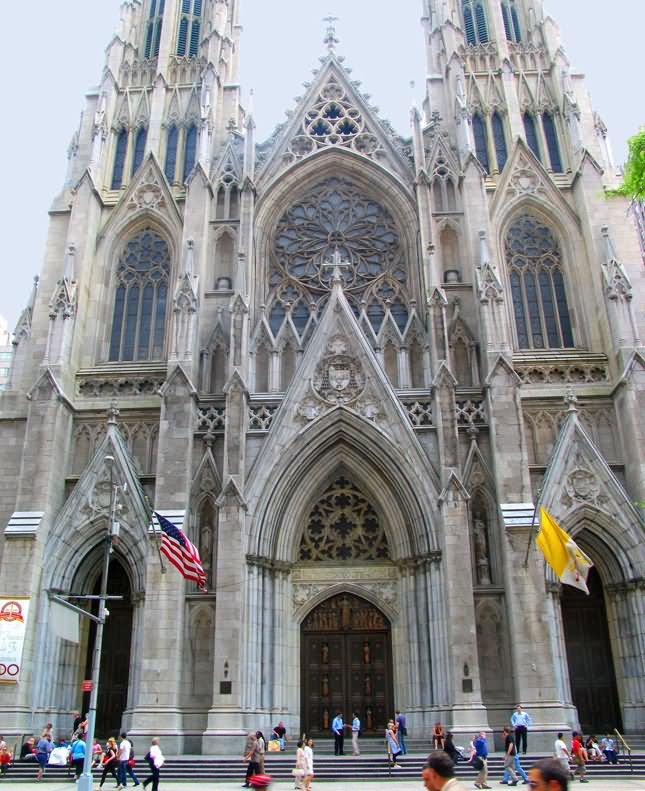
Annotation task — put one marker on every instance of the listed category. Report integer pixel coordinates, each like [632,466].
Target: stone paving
[617,784]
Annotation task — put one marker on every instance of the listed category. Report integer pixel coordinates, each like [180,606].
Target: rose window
[335,218]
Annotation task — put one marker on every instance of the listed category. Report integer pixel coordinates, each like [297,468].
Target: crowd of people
[113,759]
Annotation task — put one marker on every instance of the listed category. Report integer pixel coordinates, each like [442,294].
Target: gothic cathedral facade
[341,360]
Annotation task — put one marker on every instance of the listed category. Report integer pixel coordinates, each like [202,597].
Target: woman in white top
[301,765]
[309,764]
[155,761]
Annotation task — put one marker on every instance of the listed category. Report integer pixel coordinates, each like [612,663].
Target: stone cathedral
[342,361]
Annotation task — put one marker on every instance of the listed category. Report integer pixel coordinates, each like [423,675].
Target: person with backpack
[155,760]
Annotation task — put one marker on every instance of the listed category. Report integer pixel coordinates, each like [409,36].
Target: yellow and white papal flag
[562,553]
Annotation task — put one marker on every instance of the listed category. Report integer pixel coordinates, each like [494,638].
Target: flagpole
[571,400]
[151,516]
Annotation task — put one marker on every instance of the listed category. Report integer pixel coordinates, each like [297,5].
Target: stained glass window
[500,140]
[119,159]
[531,134]
[551,136]
[190,150]
[538,291]
[481,141]
[170,166]
[139,148]
[138,323]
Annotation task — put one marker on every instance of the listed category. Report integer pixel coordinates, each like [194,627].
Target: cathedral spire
[330,39]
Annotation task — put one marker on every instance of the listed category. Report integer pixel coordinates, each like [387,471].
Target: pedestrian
[301,765]
[509,758]
[5,756]
[608,747]
[579,755]
[356,732]
[309,764]
[43,750]
[338,729]
[77,755]
[77,721]
[438,736]
[262,746]
[97,754]
[480,759]
[393,746]
[28,749]
[562,754]
[521,721]
[110,761]
[252,758]
[519,769]
[451,750]
[126,754]
[439,773]
[155,760]
[401,730]
[548,775]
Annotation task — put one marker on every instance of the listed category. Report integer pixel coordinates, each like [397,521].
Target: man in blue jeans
[125,753]
[401,731]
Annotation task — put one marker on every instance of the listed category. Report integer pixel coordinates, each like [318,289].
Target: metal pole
[85,781]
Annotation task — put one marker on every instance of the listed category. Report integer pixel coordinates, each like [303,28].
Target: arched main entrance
[115,657]
[346,661]
[591,665]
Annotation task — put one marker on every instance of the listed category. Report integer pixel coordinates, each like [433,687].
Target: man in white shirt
[356,728]
[562,753]
[520,721]
[439,773]
[125,753]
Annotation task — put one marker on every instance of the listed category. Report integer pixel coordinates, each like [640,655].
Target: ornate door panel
[591,666]
[346,666]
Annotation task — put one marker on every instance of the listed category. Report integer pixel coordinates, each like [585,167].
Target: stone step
[200,769]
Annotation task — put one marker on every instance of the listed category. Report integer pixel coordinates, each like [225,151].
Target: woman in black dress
[110,762]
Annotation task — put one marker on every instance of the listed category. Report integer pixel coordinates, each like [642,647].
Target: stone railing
[528,57]
[564,369]
[211,419]
[122,380]
[482,58]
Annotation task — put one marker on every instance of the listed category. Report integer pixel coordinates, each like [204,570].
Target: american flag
[181,552]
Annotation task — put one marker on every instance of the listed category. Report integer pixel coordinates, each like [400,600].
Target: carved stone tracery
[343,526]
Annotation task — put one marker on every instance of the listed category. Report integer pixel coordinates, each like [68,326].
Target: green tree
[633,185]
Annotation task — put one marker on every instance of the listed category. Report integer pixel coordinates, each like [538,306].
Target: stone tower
[338,360]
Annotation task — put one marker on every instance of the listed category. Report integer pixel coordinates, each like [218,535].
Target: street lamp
[85,781]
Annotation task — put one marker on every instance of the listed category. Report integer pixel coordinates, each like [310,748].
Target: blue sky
[281,44]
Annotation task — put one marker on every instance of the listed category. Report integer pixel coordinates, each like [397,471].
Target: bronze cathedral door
[346,665]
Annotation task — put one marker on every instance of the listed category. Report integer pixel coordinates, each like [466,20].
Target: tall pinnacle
[330,39]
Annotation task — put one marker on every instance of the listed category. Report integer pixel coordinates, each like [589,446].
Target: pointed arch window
[511,19]
[538,290]
[499,139]
[190,22]
[170,166]
[139,318]
[551,137]
[120,153]
[139,148]
[190,150]
[475,24]
[481,141]
[153,29]
[531,134]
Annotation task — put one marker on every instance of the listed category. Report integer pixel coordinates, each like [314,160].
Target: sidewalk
[616,784]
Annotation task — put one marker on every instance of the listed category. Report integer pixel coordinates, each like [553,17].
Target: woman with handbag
[109,761]
[155,760]
[301,765]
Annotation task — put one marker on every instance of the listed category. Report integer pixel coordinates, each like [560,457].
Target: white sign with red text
[13,625]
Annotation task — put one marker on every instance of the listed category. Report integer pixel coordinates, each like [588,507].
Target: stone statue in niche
[369,718]
[482,559]
[324,654]
[367,684]
[325,719]
[324,686]
[206,548]
[366,653]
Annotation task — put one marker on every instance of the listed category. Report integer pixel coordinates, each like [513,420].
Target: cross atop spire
[337,265]
[330,39]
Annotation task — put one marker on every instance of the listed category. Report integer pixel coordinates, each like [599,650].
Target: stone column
[466,707]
